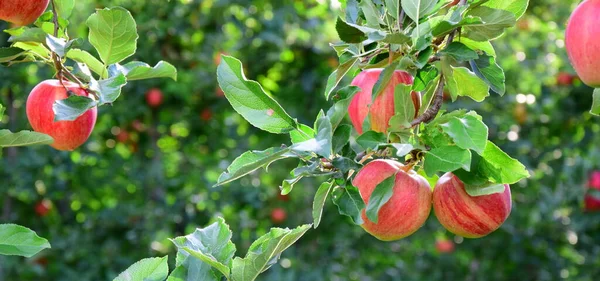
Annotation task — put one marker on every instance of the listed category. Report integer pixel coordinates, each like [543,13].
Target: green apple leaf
[349,202]
[265,252]
[23,138]
[206,253]
[136,70]
[113,32]
[446,159]
[459,51]
[517,7]
[72,107]
[26,34]
[495,21]
[403,107]
[249,99]
[108,90]
[483,46]
[150,269]
[500,167]
[59,46]
[371,140]
[64,8]
[307,133]
[486,68]
[463,82]
[337,75]
[339,110]
[9,54]
[251,161]
[380,196]
[416,9]
[86,58]
[319,202]
[16,240]
[468,132]
[341,136]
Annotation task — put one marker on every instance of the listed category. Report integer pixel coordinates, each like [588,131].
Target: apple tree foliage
[547,234]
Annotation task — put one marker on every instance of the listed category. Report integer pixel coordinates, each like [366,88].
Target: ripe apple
[22,12]
[591,203]
[467,216]
[444,246]
[154,97]
[278,215]
[407,209]
[206,114]
[594,181]
[582,41]
[67,135]
[123,136]
[43,207]
[382,109]
[564,79]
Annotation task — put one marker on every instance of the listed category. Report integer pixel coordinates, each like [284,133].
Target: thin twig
[438,98]
[55,57]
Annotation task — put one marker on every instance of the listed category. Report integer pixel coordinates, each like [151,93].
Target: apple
[154,97]
[382,109]
[583,41]
[465,215]
[67,135]
[594,181]
[43,207]
[123,136]
[407,209]
[591,203]
[278,215]
[444,246]
[564,79]
[22,12]
[206,114]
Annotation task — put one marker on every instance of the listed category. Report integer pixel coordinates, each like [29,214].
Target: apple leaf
[150,269]
[251,161]
[379,197]
[265,252]
[86,58]
[136,70]
[341,136]
[108,90]
[9,54]
[113,32]
[249,99]
[59,46]
[493,25]
[319,202]
[206,250]
[349,202]
[468,132]
[303,133]
[463,82]
[459,51]
[16,240]
[371,140]
[337,75]
[517,7]
[403,107]
[416,9]
[446,159]
[485,67]
[72,107]
[26,34]
[23,138]
[339,110]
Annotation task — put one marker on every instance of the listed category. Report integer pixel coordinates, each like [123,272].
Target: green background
[115,203]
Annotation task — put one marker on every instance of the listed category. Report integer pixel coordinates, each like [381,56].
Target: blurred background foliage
[118,198]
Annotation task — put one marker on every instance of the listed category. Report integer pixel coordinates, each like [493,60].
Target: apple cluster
[410,204]
[592,196]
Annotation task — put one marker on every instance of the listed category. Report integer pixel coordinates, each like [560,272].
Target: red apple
[407,209]
[467,216]
[591,203]
[22,12]
[382,109]
[43,207]
[67,135]
[278,215]
[583,41]
[154,97]
[594,181]
[206,114]
[123,136]
[138,126]
[564,79]
[444,246]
